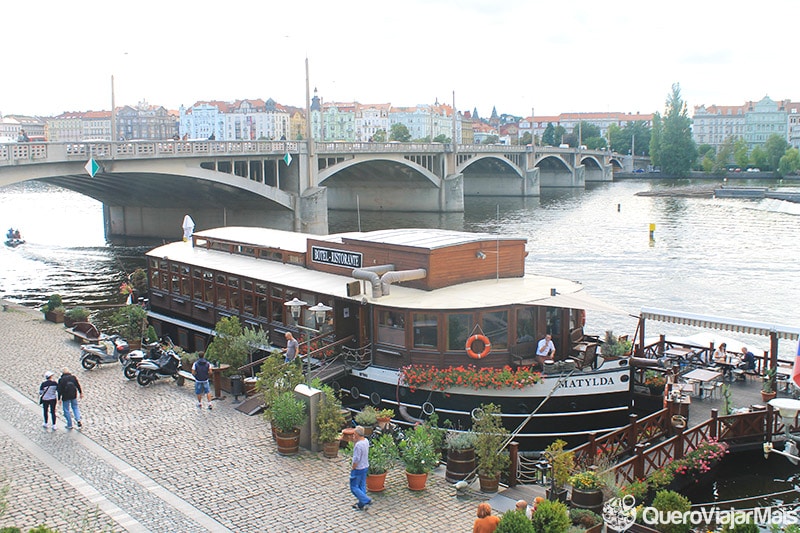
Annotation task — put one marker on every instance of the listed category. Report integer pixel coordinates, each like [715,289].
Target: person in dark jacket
[48,398]
[69,390]
[201,369]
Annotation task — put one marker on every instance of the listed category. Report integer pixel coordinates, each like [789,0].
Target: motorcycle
[168,365]
[111,349]
[152,351]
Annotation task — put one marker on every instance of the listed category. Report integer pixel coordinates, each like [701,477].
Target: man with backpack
[201,370]
[68,392]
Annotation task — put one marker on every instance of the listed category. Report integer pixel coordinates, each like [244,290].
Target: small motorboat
[13,238]
[13,243]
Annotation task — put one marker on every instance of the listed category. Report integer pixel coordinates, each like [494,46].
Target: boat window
[261,288]
[208,286]
[197,274]
[233,281]
[262,306]
[526,325]
[186,286]
[457,331]
[391,327]
[426,330]
[495,326]
[154,277]
[247,285]
[233,300]
[222,290]
[247,302]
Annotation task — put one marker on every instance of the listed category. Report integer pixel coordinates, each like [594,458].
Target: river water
[726,257]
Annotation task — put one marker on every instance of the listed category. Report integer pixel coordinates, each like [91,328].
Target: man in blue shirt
[200,370]
[748,360]
[358,472]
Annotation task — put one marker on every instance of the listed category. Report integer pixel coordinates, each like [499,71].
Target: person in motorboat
[545,349]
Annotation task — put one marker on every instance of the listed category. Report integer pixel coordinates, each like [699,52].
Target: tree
[758,157]
[399,132]
[441,138]
[548,137]
[790,162]
[379,137]
[491,139]
[707,164]
[740,153]
[655,140]
[558,135]
[676,146]
[640,133]
[775,147]
[724,156]
[525,139]
[227,346]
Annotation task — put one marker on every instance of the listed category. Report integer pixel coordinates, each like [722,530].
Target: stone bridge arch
[384,182]
[556,171]
[488,174]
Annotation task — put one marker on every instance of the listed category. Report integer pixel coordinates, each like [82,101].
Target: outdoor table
[727,366]
[216,374]
[702,375]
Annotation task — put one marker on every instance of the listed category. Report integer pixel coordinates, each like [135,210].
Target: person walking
[69,390]
[201,370]
[291,348]
[48,398]
[358,472]
[486,521]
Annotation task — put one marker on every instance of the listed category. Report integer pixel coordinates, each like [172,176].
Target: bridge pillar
[451,194]
[311,211]
[530,184]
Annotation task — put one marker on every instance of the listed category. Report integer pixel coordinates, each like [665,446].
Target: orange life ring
[487,346]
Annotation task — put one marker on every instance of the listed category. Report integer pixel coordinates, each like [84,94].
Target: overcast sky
[553,56]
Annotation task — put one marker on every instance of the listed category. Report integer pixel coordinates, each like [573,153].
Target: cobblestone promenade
[148,460]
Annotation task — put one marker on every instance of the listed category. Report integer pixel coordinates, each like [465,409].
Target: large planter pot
[489,483]
[416,481]
[376,482]
[288,442]
[54,316]
[767,396]
[588,499]
[559,495]
[460,464]
[330,449]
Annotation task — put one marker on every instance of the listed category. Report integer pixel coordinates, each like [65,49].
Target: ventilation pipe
[400,275]
[372,274]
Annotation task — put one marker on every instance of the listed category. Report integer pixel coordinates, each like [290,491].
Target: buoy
[652,231]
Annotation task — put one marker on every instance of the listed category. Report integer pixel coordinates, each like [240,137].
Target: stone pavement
[148,460]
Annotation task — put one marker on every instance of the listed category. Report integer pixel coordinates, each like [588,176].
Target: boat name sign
[580,383]
[330,256]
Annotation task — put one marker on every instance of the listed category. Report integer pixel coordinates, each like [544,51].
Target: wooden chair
[524,354]
[587,357]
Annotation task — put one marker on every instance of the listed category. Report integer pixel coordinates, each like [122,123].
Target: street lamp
[320,310]
[295,307]
[788,410]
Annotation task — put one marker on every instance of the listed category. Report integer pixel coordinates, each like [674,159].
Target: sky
[518,56]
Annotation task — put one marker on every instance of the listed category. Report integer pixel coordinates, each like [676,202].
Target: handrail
[326,347]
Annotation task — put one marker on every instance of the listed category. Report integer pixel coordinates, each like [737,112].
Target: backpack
[70,390]
[201,367]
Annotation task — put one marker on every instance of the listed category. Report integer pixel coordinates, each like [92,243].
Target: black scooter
[167,365]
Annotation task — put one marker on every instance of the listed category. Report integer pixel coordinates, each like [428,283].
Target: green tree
[399,132]
[676,146]
[228,346]
[740,153]
[525,139]
[441,138]
[758,158]
[724,156]
[558,135]
[707,164]
[379,137]
[704,149]
[548,137]
[585,131]
[491,139]
[641,133]
[775,147]
[790,162]
[655,140]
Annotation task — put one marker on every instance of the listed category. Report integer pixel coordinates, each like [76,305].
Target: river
[727,257]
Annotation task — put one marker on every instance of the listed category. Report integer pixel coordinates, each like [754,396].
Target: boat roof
[429,239]
[529,289]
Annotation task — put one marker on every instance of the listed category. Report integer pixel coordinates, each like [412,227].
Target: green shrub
[585,518]
[515,521]
[288,412]
[418,451]
[667,501]
[551,517]
[491,435]
[52,303]
[383,453]
[367,417]
[129,321]
[750,527]
[77,314]
[330,419]
[460,440]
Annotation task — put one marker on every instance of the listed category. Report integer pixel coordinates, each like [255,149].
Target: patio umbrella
[188,227]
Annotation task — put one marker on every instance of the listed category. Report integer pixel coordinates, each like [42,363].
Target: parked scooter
[108,350]
[166,366]
[152,351]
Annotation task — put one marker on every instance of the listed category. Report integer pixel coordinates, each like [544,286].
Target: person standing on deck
[545,349]
[291,348]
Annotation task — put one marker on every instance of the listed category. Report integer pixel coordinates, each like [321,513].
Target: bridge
[147,187]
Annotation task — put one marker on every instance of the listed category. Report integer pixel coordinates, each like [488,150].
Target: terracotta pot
[489,484]
[289,442]
[416,481]
[767,396]
[376,482]
[330,449]
[53,316]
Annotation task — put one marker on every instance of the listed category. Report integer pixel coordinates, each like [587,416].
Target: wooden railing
[637,450]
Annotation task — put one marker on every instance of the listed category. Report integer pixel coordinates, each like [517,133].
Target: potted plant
[586,519]
[330,421]
[561,463]
[228,346]
[655,381]
[515,521]
[587,490]
[613,347]
[287,414]
[275,378]
[54,309]
[382,455]
[551,517]
[460,454]
[384,416]
[130,322]
[74,315]
[419,455]
[138,280]
[667,502]
[490,438]
[367,418]
[768,391]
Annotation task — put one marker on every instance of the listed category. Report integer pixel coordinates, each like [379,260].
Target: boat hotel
[423,321]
